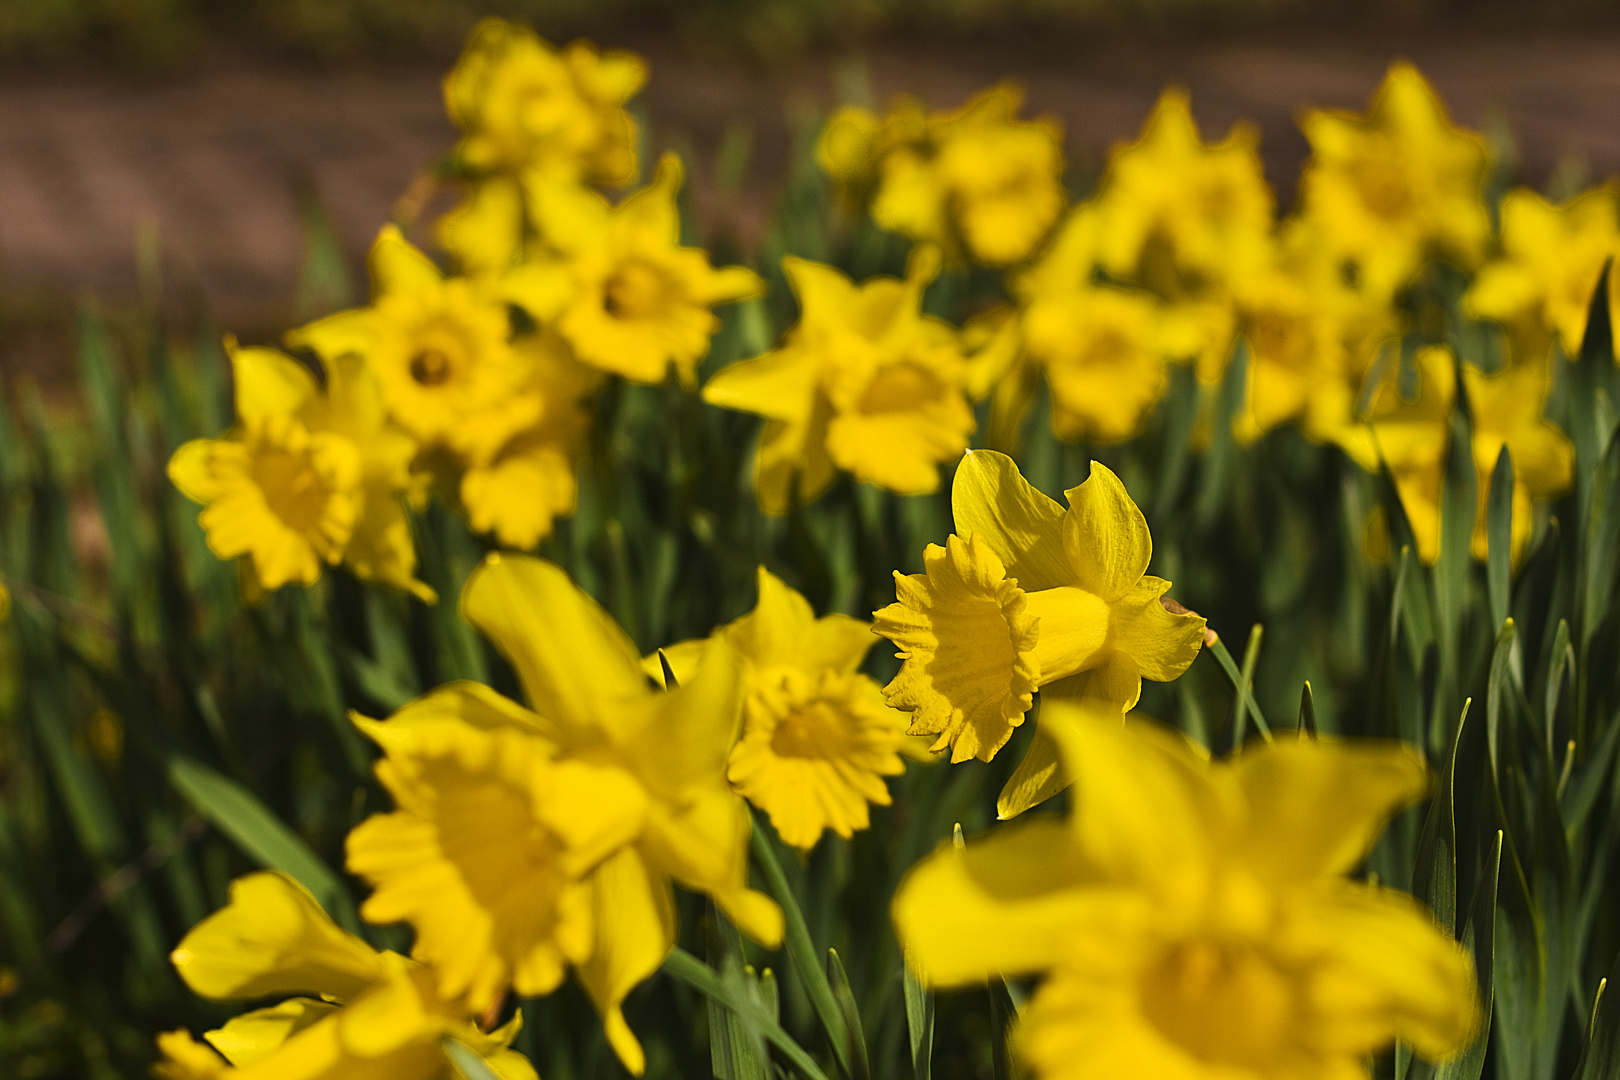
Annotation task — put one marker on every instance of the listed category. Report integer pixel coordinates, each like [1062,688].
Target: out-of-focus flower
[528,109]
[977,179]
[1552,257]
[1391,188]
[1412,437]
[865,382]
[310,475]
[1193,919]
[817,739]
[528,840]
[1178,215]
[1028,595]
[367,1013]
[618,287]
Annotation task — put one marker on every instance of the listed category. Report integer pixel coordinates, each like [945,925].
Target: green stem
[1240,680]
[682,965]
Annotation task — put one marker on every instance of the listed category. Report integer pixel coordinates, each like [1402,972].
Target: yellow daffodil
[1029,595]
[977,179]
[361,1013]
[1412,437]
[817,739]
[1175,213]
[526,841]
[487,233]
[1551,259]
[1193,919]
[865,382]
[619,287]
[1390,188]
[528,108]
[310,475]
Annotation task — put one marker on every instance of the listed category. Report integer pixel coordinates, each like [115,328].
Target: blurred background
[197,136]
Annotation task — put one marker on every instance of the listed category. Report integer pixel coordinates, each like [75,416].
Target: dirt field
[204,158]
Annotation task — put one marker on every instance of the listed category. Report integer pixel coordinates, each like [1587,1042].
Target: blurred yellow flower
[1029,595]
[1193,919]
[977,179]
[817,739]
[528,108]
[1392,187]
[864,382]
[309,476]
[525,840]
[362,1013]
[1412,437]
[1551,259]
[1178,215]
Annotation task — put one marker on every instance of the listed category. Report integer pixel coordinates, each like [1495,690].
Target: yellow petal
[780,384]
[343,334]
[727,284]
[653,207]
[1039,776]
[769,634]
[461,702]
[1316,806]
[569,653]
[1105,535]
[398,266]
[255,1035]
[191,469]
[703,844]
[681,738]
[268,383]
[991,500]
[1162,644]
[684,658]
[273,938]
[636,912]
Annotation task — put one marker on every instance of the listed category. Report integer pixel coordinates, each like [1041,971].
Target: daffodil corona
[1193,919]
[1029,595]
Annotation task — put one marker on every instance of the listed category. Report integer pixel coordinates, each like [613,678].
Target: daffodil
[865,382]
[1193,919]
[1391,188]
[1551,259]
[1412,438]
[530,840]
[310,475]
[527,108]
[360,1012]
[817,739]
[1029,595]
[1178,214]
[619,287]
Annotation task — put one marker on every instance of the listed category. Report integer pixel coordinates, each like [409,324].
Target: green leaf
[919,1024]
[1434,878]
[1479,937]
[1219,460]
[688,969]
[1306,725]
[1242,682]
[1499,533]
[851,1013]
[1003,1018]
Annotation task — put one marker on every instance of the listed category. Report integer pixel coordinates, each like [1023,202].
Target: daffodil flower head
[817,739]
[1193,919]
[1205,210]
[526,107]
[360,1012]
[1552,257]
[528,840]
[619,286]
[1392,187]
[1029,595]
[865,382]
[1101,350]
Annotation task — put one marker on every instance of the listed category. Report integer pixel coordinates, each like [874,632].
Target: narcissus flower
[364,1013]
[1390,188]
[1193,919]
[1177,214]
[529,840]
[1101,350]
[529,109]
[309,476]
[1551,259]
[619,287]
[1029,595]
[865,382]
[817,739]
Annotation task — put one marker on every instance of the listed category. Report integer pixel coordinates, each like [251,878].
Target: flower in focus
[1193,919]
[976,179]
[530,840]
[1028,595]
[618,287]
[1392,187]
[1411,438]
[363,1013]
[1176,214]
[527,108]
[1552,257]
[308,476]
[817,739]
[865,382]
